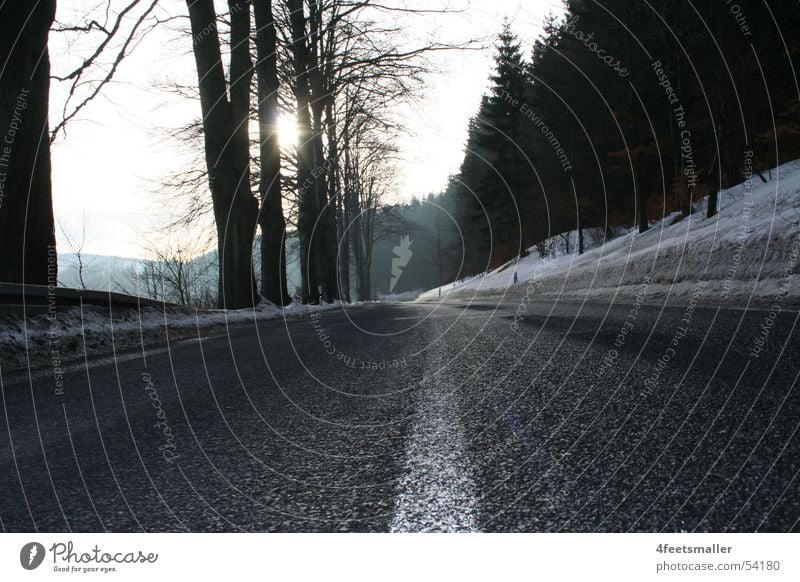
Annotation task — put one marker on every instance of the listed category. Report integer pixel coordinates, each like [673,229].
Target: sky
[108,167]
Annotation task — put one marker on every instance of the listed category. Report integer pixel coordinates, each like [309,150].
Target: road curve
[454,416]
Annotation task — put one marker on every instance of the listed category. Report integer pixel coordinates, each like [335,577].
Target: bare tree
[101,28]
[178,271]
[337,68]
[26,212]
[148,280]
[347,64]
[271,219]
[307,163]
[369,177]
[76,246]
[225,132]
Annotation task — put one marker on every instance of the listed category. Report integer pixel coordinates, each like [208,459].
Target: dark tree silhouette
[307,184]
[271,219]
[27,230]
[226,145]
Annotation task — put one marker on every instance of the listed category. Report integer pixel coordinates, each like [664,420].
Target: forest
[617,115]
[622,113]
[336,66]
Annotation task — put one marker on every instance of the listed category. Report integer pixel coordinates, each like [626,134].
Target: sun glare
[287,130]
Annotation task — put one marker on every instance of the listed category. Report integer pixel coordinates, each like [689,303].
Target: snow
[401,297]
[746,254]
[76,332]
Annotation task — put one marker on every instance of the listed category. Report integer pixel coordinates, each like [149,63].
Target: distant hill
[122,274]
[100,272]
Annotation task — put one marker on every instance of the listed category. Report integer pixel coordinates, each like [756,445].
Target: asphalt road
[421,417]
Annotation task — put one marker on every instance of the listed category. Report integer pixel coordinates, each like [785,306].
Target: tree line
[621,113]
[336,65]
[617,115]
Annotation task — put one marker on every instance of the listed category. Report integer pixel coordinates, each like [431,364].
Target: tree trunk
[359,253]
[365,232]
[27,232]
[339,227]
[325,228]
[440,268]
[343,253]
[307,207]
[350,234]
[271,219]
[713,200]
[641,203]
[226,146]
[325,219]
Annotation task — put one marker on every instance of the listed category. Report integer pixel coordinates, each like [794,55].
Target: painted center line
[437,493]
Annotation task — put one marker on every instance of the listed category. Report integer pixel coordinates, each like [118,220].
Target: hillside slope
[746,254]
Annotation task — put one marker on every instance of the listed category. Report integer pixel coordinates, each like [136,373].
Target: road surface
[454,416]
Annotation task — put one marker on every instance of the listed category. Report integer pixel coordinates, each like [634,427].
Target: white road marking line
[437,493]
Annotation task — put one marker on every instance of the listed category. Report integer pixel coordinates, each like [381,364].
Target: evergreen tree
[496,173]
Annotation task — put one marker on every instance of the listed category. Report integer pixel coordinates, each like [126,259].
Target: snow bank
[747,253]
[401,297]
[74,332]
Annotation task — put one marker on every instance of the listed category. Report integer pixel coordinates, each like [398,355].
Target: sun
[287,130]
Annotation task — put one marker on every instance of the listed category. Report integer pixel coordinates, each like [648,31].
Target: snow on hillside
[405,297]
[75,332]
[746,253]
[99,272]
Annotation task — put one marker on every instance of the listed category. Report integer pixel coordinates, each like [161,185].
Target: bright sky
[115,155]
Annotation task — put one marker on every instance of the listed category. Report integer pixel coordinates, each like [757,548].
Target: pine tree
[497,169]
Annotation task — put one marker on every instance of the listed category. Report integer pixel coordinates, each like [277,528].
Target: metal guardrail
[13,296]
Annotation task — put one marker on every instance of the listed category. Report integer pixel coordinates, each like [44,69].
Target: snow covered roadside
[747,253]
[401,297]
[74,333]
